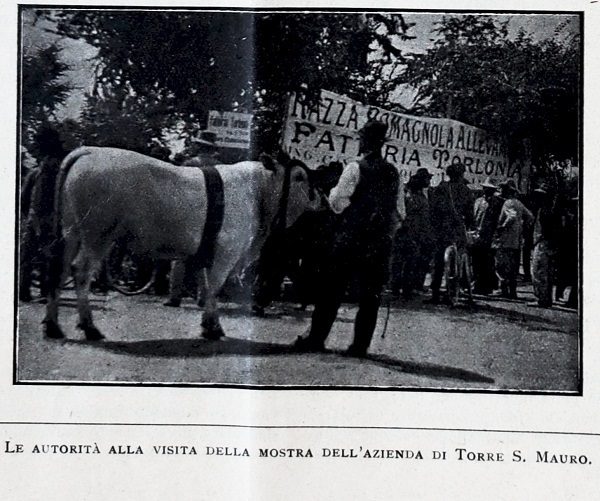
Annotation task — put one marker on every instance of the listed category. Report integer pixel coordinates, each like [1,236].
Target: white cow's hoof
[213,334]
[211,328]
[52,330]
[91,332]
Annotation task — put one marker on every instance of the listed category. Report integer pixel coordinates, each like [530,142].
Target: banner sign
[329,132]
[232,129]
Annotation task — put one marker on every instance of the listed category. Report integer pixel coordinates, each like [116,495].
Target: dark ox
[104,194]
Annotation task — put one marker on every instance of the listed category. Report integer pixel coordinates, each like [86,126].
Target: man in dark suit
[451,210]
[365,199]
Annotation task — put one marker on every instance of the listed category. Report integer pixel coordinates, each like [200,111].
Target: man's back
[509,231]
[451,209]
[486,211]
[417,225]
[368,220]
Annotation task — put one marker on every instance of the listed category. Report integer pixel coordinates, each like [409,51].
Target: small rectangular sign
[233,129]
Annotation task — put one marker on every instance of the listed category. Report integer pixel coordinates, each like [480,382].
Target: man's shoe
[173,303]
[537,304]
[355,351]
[257,311]
[308,345]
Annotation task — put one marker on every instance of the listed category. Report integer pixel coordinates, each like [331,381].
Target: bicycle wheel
[127,273]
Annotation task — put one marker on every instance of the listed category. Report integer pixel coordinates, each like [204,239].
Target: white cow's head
[301,195]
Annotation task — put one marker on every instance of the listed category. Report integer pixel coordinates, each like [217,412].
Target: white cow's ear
[267,161]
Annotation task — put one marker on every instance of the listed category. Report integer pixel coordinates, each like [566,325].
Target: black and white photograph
[283,199]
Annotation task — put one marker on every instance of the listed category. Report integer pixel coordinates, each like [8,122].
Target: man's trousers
[541,273]
[372,275]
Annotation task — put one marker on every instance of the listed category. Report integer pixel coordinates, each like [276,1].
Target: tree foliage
[129,124]
[517,87]
[43,89]
[168,66]
[157,69]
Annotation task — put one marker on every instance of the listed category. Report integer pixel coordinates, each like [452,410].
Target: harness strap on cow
[279,222]
[215,209]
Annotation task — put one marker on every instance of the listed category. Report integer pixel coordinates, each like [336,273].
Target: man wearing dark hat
[486,211]
[365,198]
[508,237]
[414,240]
[202,150]
[198,150]
[451,209]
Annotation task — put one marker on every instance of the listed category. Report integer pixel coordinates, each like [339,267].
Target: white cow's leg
[211,327]
[83,266]
[214,278]
[58,272]
[200,281]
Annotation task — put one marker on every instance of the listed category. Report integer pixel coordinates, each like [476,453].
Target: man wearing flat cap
[365,199]
[451,209]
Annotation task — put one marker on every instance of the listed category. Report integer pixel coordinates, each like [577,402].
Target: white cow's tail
[57,250]
[65,167]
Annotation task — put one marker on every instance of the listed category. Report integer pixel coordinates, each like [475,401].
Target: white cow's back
[111,192]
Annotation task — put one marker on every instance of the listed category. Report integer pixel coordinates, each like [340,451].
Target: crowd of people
[503,230]
[507,235]
[378,233]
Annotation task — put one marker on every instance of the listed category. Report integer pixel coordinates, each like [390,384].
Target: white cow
[104,194]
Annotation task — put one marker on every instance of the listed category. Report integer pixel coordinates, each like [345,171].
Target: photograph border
[233,386]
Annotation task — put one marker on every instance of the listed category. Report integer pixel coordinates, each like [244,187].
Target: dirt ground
[497,345]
